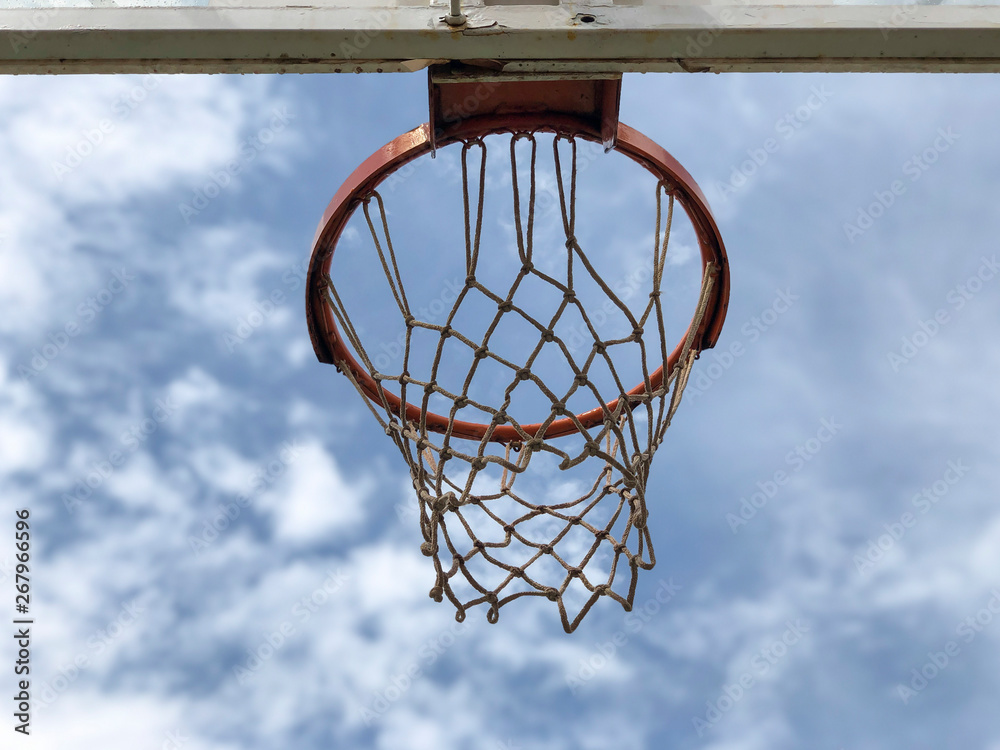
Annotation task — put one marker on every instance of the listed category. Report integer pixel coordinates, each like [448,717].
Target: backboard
[213,36]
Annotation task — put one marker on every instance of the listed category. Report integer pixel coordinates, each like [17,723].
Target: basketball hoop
[577,110]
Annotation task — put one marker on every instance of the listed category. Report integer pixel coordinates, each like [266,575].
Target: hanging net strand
[492,543]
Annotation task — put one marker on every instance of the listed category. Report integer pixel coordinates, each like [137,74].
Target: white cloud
[92,717]
[323,513]
[25,427]
[313,501]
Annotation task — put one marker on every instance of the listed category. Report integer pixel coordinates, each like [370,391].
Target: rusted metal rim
[332,348]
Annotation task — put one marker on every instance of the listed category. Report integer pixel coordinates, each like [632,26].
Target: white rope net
[571,542]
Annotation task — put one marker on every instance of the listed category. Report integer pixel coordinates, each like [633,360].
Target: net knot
[639,517]
[494,612]
[506,306]
[441,503]
[428,549]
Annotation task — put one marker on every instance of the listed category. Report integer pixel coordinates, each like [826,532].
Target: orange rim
[332,348]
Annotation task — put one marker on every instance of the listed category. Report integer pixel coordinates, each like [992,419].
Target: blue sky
[853,390]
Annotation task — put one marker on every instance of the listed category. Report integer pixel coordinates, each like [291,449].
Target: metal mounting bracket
[459,91]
